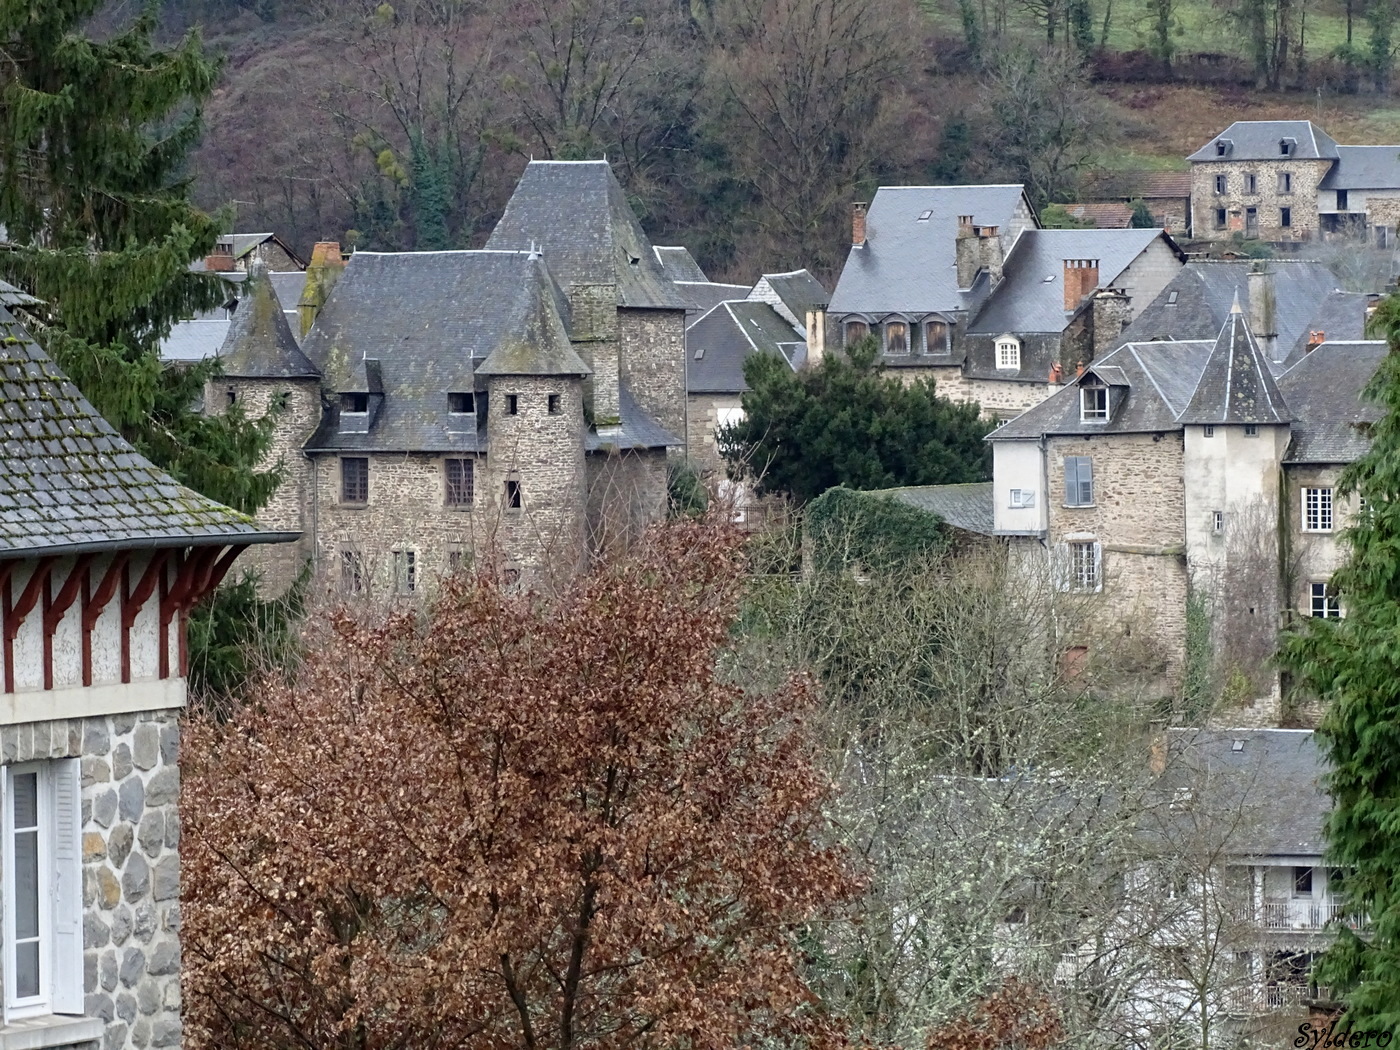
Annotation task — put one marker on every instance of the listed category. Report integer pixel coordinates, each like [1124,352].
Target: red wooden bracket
[55,609]
[15,614]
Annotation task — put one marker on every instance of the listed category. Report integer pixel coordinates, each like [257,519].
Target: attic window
[1222,147]
[1171,298]
[1285,147]
[1047,280]
[925,216]
[1237,745]
[354,403]
[463,403]
[1093,402]
[634,260]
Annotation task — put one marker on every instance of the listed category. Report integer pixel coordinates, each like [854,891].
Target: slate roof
[1236,385]
[1271,790]
[1364,168]
[576,213]
[968,507]
[1031,296]
[702,298]
[1104,215]
[288,284]
[196,340]
[69,483]
[430,319]
[12,296]
[909,265]
[635,429]
[798,291]
[719,342]
[259,343]
[1323,390]
[1259,139]
[678,263]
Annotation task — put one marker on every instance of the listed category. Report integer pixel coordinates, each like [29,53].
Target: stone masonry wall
[702,421]
[1307,174]
[653,363]
[1000,399]
[626,492]
[131,866]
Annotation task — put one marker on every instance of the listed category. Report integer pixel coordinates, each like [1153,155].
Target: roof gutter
[150,543]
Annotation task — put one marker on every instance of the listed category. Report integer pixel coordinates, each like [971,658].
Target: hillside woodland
[741,128]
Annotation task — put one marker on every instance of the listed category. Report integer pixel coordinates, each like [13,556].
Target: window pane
[856,331]
[896,338]
[27,969]
[27,884]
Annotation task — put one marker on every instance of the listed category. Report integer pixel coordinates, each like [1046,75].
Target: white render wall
[1018,465]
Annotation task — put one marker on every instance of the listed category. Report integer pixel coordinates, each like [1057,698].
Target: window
[1079,481]
[1219,218]
[43,897]
[1251,183]
[1222,147]
[354,479]
[1208,431]
[1171,298]
[1093,402]
[1285,147]
[554,404]
[1323,601]
[460,478]
[462,403]
[1302,882]
[856,331]
[936,337]
[1221,184]
[1217,521]
[1009,353]
[896,337]
[1285,217]
[352,572]
[1285,182]
[405,571]
[1317,510]
[458,559]
[513,494]
[1342,200]
[1084,566]
[512,404]
[1251,430]
[354,403]
[232,396]
[1022,498]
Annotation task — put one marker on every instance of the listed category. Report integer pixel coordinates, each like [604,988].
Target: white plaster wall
[145,631]
[1018,465]
[29,642]
[107,637]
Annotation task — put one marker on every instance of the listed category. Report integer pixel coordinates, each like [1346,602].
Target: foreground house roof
[69,483]
[968,506]
[721,341]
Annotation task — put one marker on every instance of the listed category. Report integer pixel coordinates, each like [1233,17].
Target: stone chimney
[1081,278]
[322,272]
[989,238]
[1263,309]
[1111,312]
[816,335]
[969,252]
[858,224]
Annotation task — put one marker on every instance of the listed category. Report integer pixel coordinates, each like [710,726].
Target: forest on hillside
[741,128]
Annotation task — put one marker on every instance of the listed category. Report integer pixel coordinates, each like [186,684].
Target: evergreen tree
[1142,216]
[94,134]
[846,423]
[1353,664]
[954,151]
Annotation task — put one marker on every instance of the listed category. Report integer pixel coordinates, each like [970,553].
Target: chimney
[858,224]
[1081,278]
[989,237]
[1111,312]
[220,260]
[321,274]
[969,252]
[816,335]
[1315,339]
[1263,309]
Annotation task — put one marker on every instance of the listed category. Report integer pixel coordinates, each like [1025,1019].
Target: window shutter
[1086,480]
[1060,566]
[1098,564]
[1071,480]
[67,981]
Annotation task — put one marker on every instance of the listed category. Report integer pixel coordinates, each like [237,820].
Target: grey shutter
[1071,480]
[1086,480]
[1098,565]
[67,980]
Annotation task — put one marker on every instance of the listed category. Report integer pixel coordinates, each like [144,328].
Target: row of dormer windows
[899,337]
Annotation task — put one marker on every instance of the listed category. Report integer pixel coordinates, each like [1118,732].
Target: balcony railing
[1290,914]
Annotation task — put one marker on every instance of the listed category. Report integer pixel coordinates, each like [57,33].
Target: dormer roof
[1267,139]
[1236,385]
[259,343]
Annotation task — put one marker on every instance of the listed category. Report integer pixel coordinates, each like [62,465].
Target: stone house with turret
[511,407]
[102,557]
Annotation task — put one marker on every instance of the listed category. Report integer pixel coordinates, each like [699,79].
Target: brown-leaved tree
[512,821]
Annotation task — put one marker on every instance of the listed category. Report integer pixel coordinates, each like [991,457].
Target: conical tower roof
[259,344]
[1236,385]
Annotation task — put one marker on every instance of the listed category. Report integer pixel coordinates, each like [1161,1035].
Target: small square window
[1217,521]
[555,405]
[460,481]
[512,494]
[1208,431]
[1317,510]
[461,403]
[1022,498]
[512,404]
[1251,430]
[354,479]
[405,571]
[232,396]
[1323,602]
[354,403]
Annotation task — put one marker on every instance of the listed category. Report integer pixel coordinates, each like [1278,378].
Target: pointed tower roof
[259,344]
[1235,385]
[540,346]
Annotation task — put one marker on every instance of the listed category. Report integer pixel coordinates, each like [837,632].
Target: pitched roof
[1236,385]
[797,292]
[1031,296]
[1259,140]
[703,297]
[1104,216]
[576,213]
[1144,185]
[678,263]
[1364,168]
[196,340]
[288,284]
[720,342]
[12,296]
[1323,392]
[908,263]
[259,343]
[70,483]
[967,507]
[635,428]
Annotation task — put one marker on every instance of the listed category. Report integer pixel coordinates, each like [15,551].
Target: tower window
[555,406]
[463,403]
[512,494]
[232,397]
[354,479]
[512,404]
[405,571]
[460,477]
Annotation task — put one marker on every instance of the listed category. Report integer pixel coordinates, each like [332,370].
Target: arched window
[1009,353]
[856,331]
[936,339]
[896,337]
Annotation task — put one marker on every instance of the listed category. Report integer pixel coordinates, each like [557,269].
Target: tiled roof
[678,263]
[719,343]
[576,213]
[1323,391]
[968,507]
[1364,168]
[1104,216]
[1259,140]
[70,483]
[1235,385]
[259,343]
[908,263]
[1139,185]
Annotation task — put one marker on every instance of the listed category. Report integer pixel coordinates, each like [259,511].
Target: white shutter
[67,981]
[1060,566]
[7,879]
[1098,567]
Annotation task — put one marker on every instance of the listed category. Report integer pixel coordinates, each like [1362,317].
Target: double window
[1079,481]
[1323,601]
[43,900]
[1009,353]
[1317,510]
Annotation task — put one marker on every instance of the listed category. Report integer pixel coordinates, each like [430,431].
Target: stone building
[101,558]
[1184,470]
[1167,195]
[1288,181]
[512,406]
[961,285]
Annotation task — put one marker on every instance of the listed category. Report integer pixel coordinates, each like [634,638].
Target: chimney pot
[858,210]
[1081,276]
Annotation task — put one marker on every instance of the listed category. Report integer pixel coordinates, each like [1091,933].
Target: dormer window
[936,337]
[1286,147]
[896,337]
[461,404]
[354,403]
[856,331]
[1009,353]
[1222,147]
[1093,402]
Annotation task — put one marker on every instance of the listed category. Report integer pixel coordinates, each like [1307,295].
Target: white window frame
[1097,393]
[405,568]
[1217,521]
[1009,354]
[1081,565]
[1323,603]
[1317,510]
[59,804]
[1021,499]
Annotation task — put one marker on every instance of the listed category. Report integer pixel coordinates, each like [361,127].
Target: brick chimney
[858,210]
[1263,309]
[1315,339]
[220,260]
[322,272]
[1081,278]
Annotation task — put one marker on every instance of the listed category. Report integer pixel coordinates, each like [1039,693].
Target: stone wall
[131,866]
[626,492]
[1302,199]
[702,420]
[999,398]
[653,363]
[1312,556]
